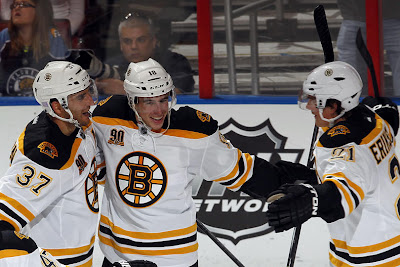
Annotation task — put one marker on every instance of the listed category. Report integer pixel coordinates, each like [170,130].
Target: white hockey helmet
[334,80]
[147,79]
[58,80]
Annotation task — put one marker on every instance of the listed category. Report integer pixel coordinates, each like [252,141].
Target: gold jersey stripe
[375,132]
[367,249]
[132,125]
[71,159]
[244,177]
[101,165]
[324,129]
[172,251]
[337,262]
[233,172]
[142,235]
[21,142]
[116,122]
[18,206]
[345,193]
[350,183]
[7,253]
[185,134]
[85,127]
[70,251]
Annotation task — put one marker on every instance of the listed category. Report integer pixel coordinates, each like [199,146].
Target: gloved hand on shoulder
[385,108]
[291,205]
[93,65]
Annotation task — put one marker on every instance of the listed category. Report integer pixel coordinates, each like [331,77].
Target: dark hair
[331,102]
[41,27]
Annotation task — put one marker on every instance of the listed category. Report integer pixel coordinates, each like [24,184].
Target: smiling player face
[153,110]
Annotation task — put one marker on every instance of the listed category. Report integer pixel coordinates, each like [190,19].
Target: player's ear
[56,106]
[336,107]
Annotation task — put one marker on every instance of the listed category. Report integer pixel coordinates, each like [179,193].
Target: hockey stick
[219,244]
[323,32]
[362,48]
[325,38]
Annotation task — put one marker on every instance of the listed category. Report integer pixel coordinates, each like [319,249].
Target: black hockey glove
[91,63]
[136,263]
[385,108]
[291,205]
[87,60]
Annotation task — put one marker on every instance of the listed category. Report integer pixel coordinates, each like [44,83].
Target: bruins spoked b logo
[141,179]
[92,193]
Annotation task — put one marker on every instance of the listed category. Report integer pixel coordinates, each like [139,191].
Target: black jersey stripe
[355,197]
[366,259]
[77,259]
[241,171]
[12,214]
[167,243]
[102,173]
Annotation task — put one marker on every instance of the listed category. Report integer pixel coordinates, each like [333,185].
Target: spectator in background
[73,10]
[138,42]
[353,13]
[27,45]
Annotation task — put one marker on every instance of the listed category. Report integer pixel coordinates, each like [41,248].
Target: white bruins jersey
[50,190]
[359,157]
[148,212]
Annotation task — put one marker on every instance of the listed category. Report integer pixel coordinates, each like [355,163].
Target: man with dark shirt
[138,42]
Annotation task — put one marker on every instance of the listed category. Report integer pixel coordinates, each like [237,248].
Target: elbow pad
[292,172]
[329,207]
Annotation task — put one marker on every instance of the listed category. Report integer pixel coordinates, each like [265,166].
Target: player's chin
[85,119]
[156,126]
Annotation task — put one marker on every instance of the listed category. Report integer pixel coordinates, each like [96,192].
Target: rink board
[276,118]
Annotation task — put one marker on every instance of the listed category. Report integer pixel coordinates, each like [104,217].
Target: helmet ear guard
[334,80]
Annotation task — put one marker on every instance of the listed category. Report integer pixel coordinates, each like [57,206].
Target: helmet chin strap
[332,120]
[148,128]
[69,120]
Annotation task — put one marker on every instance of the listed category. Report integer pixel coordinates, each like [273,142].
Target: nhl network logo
[233,215]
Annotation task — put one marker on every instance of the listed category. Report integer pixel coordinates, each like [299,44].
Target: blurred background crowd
[105,35]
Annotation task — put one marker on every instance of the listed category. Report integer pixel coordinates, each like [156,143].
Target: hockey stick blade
[362,48]
[323,32]
[218,243]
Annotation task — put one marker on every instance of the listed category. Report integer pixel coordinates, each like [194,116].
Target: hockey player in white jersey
[358,169]
[49,193]
[152,154]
